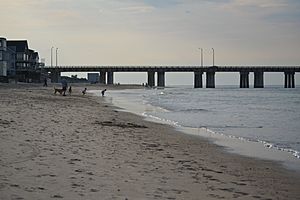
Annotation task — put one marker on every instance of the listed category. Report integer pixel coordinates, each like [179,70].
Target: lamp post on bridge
[201,56]
[56,56]
[51,56]
[213,50]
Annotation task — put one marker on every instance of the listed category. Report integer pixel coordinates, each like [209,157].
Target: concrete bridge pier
[151,80]
[244,79]
[55,77]
[110,78]
[258,79]
[289,79]
[198,79]
[161,79]
[103,77]
[210,79]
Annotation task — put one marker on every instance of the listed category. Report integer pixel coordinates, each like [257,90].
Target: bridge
[107,73]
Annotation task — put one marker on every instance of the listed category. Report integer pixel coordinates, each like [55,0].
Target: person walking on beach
[45,82]
[64,85]
[84,91]
[70,90]
[103,91]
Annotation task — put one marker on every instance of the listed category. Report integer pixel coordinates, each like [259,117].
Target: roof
[21,45]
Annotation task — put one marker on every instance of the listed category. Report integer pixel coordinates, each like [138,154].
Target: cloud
[136,9]
[270,11]
[260,3]
[162,3]
[154,31]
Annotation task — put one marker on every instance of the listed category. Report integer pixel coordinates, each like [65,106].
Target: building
[19,62]
[93,77]
[3,60]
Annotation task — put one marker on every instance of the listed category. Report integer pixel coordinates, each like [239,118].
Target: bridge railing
[174,68]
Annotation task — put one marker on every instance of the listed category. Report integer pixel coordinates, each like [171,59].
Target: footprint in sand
[57,196]
[236,183]
[15,197]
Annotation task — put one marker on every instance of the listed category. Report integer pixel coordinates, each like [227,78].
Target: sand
[80,147]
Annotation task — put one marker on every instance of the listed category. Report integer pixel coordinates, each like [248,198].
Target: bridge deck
[173,68]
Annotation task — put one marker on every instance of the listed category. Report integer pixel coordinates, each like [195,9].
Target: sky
[158,32]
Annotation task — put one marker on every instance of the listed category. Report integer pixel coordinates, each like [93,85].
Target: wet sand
[80,147]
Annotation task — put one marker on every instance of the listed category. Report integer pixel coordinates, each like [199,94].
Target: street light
[213,56]
[56,56]
[201,56]
[51,55]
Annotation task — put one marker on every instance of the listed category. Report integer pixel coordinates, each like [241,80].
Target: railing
[176,68]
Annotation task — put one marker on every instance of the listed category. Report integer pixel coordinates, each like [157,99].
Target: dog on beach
[58,90]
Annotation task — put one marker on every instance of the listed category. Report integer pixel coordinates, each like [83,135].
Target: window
[19,56]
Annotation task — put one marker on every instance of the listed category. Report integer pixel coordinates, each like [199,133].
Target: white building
[18,61]
[3,60]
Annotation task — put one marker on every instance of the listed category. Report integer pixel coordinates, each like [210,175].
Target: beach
[81,147]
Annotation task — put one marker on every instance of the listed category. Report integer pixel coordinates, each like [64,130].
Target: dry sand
[79,147]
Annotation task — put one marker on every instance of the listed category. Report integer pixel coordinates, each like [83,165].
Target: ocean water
[269,116]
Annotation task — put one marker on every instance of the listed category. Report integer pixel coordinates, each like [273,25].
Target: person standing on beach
[103,91]
[45,82]
[64,85]
[84,91]
[70,90]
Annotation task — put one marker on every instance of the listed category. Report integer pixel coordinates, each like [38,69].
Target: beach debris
[152,145]
[120,124]
[79,170]
[14,185]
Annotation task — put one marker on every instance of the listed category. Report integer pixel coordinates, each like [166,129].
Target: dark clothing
[102,92]
[84,91]
[45,83]
[64,86]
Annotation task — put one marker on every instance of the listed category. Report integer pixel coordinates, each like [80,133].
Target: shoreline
[230,143]
[80,147]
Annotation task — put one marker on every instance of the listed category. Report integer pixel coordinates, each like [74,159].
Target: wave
[227,126]
[289,150]
[266,144]
[166,121]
